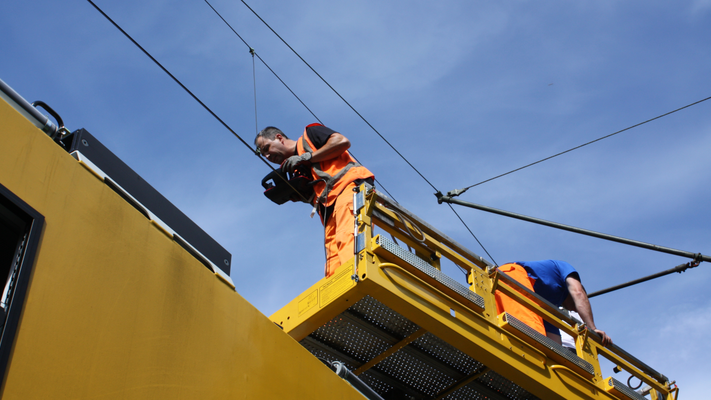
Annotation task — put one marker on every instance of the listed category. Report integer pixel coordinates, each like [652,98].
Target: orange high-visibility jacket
[332,175]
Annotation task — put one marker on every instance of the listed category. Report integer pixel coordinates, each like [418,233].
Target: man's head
[274,145]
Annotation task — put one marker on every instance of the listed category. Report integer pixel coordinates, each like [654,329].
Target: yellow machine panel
[410,331]
[115,308]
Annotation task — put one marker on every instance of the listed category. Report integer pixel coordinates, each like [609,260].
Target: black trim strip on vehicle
[34,225]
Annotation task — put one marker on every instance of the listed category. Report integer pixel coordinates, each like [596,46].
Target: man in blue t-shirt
[559,283]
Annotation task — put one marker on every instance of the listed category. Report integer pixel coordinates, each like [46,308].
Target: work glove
[290,163]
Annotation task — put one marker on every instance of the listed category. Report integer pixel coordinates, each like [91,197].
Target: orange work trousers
[339,230]
[506,303]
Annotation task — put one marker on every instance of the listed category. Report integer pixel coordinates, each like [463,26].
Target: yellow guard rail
[407,329]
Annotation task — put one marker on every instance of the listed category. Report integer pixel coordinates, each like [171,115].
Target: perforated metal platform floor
[426,368]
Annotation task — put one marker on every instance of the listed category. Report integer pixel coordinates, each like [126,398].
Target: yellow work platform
[411,332]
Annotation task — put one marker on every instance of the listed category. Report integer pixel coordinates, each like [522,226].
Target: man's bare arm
[582,306]
[334,147]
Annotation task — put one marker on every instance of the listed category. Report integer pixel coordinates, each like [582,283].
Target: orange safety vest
[331,176]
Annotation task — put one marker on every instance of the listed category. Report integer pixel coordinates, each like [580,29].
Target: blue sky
[466,90]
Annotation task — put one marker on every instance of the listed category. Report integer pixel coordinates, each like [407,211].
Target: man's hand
[290,163]
[606,340]
[582,305]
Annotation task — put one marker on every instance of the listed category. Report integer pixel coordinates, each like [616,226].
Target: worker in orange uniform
[336,173]
[557,282]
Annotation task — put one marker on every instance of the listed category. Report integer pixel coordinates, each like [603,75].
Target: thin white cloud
[700,6]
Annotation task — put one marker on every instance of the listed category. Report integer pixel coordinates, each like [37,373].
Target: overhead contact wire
[209,110]
[191,94]
[472,233]
[171,75]
[305,106]
[412,166]
[254,53]
[585,144]
[362,118]
[339,95]
[254,80]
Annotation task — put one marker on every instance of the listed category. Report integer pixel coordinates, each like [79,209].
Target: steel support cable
[339,95]
[679,269]
[312,113]
[460,191]
[171,75]
[299,99]
[694,256]
[203,104]
[472,233]
[254,53]
[254,81]
[192,95]
[362,118]
[457,192]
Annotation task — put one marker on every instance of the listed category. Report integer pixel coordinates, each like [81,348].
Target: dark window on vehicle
[20,231]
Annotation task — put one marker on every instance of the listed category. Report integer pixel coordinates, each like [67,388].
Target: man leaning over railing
[559,283]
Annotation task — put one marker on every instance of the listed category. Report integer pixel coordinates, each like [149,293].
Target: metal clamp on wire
[493,273]
[698,257]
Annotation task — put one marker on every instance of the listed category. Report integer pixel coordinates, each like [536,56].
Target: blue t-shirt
[549,278]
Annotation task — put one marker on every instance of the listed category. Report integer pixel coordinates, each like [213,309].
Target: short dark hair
[270,133]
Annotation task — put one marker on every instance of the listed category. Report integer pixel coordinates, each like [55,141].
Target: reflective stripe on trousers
[339,239]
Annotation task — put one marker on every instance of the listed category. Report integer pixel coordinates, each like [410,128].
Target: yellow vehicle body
[115,308]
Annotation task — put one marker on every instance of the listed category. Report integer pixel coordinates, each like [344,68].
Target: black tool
[299,186]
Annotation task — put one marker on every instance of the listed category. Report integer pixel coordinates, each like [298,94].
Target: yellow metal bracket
[463,382]
[392,350]
[494,276]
